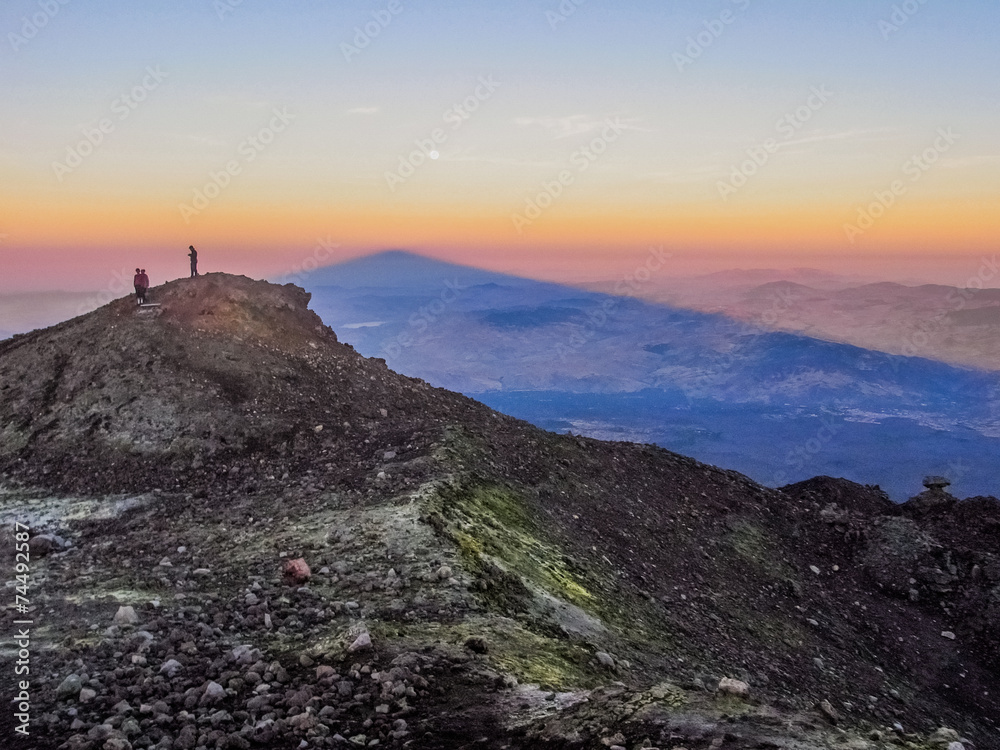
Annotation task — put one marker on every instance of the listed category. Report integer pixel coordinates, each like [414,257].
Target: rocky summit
[243,534]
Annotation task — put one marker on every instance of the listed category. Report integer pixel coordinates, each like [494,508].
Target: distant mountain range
[959,326]
[777,406]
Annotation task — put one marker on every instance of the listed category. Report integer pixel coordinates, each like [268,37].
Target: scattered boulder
[170,667]
[943,738]
[826,708]
[44,544]
[295,572]
[126,616]
[734,687]
[362,643]
[70,687]
[477,644]
[214,692]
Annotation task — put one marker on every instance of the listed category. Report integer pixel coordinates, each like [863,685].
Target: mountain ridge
[538,590]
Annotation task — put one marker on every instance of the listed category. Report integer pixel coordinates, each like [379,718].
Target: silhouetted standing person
[145,284]
[193,255]
[140,291]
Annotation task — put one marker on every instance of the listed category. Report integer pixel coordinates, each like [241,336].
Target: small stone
[388,455]
[731,686]
[44,544]
[814,569]
[827,709]
[306,661]
[214,692]
[948,634]
[362,643]
[943,738]
[126,616]
[87,695]
[295,572]
[477,644]
[69,687]
[170,667]
[444,572]
[605,659]
[100,732]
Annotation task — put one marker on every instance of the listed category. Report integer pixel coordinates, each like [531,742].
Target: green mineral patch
[491,520]
[550,663]
[669,694]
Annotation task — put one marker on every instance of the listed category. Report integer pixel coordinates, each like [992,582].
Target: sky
[559,140]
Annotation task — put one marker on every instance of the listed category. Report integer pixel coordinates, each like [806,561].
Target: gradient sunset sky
[834,98]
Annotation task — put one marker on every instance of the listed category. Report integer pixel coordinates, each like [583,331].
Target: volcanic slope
[475,581]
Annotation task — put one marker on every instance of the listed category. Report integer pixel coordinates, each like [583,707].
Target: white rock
[814,569]
[213,692]
[126,616]
[730,686]
[948,634]
[362,643]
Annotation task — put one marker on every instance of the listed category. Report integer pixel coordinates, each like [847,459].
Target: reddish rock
[296,572]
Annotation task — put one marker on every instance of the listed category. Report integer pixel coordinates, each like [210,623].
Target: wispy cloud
[843,135]
[468,155]
[201,139]
[697,174]
[970,161]
[565,127]
[364,111]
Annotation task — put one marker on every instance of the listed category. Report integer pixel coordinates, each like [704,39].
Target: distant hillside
[957,326]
